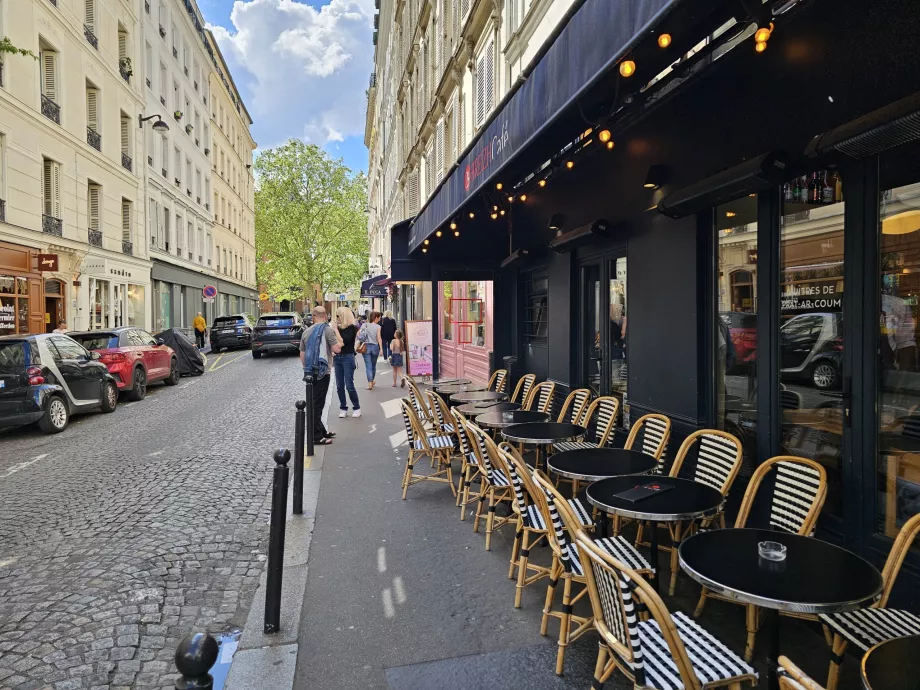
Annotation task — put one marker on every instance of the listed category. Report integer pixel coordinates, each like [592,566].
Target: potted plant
[125,64]
[188,129]
[177,115]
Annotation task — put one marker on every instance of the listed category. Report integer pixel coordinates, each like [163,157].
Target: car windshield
[275,321]
[228,321]
[96,341]
[12,355]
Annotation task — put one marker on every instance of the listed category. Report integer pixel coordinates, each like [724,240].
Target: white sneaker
[356,413]
[343,414]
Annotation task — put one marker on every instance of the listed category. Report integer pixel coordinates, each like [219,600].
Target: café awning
[595,38]
[374,287]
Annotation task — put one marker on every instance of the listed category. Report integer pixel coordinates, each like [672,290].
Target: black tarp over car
[191,363]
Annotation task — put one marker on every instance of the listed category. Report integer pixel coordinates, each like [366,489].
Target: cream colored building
[233,199]
[71,181]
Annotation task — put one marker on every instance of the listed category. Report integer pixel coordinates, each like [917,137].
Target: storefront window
[535,292]
[899,371]
[136,306]
[14,305]
[591,327]
[447,289]
[735,334]
[616,336]
[811,325]
[164,292]
[476,294]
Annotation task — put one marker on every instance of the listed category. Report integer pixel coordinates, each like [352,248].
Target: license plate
[277,330]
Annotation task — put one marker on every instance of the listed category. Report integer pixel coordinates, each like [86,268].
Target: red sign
[491,149]
[209,291]
[48,262]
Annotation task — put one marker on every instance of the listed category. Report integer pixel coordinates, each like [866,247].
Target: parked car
[45,378]
[743,329]
[231,332]
[280,332]
[811,347]
[134,358]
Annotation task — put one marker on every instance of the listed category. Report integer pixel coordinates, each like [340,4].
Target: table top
[495,420]
[686,501]
[475,408]
[447,382]
[892,665]
[593,464]
[480,396]
[816,577]
[452,388]
[895,442]
[542,433]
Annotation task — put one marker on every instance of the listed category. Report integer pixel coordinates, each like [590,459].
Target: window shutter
[455,18]
[91,13]
[456,128]
[47,187]
[56,190]
[464,8]
[480,90]
[125,136]
[93,208]
[126,221]
[49,75]
[460,139]
[439,152]
[122,45]
[490,77]
[92,109]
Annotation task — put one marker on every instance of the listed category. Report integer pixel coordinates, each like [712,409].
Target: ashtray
[508,416]
[771,550]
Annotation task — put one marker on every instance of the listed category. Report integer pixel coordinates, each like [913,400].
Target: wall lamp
[158,126]
[655,177]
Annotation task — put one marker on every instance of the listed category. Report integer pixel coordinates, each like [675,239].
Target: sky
[302,68]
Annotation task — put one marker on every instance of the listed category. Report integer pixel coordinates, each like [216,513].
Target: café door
[603,326]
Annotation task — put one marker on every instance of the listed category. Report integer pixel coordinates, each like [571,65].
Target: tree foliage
[311,227]
[7,47]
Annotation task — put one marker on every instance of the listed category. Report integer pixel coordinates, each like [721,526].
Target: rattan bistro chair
[668,652]
[496,486]
[419,404]
[791,677]
[469,465]
[867,627]
[603,415]
[575,405]
[798,496]
[436,447]
[499,381]
[523,388]
[443,419]
[650,434]
[540,397]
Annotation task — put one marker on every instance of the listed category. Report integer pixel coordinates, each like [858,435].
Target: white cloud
[303,71]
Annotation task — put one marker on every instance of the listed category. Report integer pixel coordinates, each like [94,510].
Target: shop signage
[120,272]
[209,291]
[48,262]
[490,151]
[815,296]
[418,343]
[95,266]
[7,317]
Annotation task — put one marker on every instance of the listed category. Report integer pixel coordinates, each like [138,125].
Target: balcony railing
[127,247]
[126,162]
[93,138]
[1,72]
[146,7]
[175,53]
[125,70]
[149,160]
[95,238]
[373,80]
[163,100]
[52,225]
[53,2]
[2,210]
[90,37]
[165,173]
[51,110]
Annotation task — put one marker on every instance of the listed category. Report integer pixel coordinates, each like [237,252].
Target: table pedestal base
[771,632]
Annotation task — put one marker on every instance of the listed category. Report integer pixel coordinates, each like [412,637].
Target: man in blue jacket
[320,342]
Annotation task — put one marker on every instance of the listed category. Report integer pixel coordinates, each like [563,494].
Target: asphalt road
[128,530]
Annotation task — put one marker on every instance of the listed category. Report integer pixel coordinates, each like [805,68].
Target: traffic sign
[263,296]
[209,291]
[209,300]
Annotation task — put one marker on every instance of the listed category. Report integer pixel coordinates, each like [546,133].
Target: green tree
[7,47]
[311,226]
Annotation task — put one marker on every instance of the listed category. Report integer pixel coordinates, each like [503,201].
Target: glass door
[590,350]
[617,329]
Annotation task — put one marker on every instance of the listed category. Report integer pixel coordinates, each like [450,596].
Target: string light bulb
[523,197]
[510,199]
[610,145]
[664,40]
[760,46]
[542,183]
[424,250]
[627,68]
[763,33]
[494,216]
[472,215]
[453,226]
[426,242]
[604,135]
[502,211]
[499,186]
[456,233]
[569,165]
[495,208]
[438,233]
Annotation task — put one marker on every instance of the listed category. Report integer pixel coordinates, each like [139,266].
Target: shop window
[100,295]
[14,305]
[535,289]
[447,293]
[616,336]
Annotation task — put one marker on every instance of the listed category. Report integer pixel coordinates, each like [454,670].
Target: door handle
[846,390]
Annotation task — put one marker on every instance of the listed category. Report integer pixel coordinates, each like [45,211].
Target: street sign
[208,300]
[263,296]
[48,262]
[209,291]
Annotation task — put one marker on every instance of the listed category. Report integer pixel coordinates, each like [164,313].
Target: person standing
[200,327]
[320,342]
[370,336]
[61,327]
[387,331]
[397,348]
[344,362]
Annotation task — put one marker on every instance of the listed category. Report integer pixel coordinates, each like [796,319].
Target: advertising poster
[418,343]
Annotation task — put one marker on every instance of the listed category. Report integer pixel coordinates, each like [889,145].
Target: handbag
[361,345]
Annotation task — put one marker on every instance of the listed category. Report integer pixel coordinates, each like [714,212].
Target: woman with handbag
[344,363]
[370,345]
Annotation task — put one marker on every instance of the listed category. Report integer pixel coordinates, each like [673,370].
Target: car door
[81,375]
[159,354]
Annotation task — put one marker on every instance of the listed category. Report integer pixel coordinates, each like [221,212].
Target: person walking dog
[369,338]
[317,347]
[344,362]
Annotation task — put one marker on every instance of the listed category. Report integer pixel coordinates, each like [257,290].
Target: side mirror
[95,356]
[160,341]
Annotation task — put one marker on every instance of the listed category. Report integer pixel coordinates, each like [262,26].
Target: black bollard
[301,406]
[195,656]
[311,416]
[276,543]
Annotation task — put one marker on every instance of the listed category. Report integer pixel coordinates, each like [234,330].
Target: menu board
[7,316]
[419,354]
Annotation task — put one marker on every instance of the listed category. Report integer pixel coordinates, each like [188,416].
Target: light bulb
[569,165]
[472,215]
[499,186]
[542,183]
[604,135]
[627,68]
[456,233]
[609,144]
[424,250]
[453,226]
[438,233]
[427,241]
[762,35]
[523,197]
[494,216]
[760,46]
[503,211]
[664,40]
[510,199]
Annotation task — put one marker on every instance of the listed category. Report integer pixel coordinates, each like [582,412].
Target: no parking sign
[209,291]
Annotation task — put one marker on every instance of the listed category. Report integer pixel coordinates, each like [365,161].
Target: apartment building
[233,199]
[71,187]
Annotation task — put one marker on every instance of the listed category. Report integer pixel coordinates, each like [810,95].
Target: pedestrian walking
[387,331]
[344,362]
[320,342]
[369,336]
[200,327]
[397,348]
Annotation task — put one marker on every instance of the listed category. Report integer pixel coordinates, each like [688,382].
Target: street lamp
[158,126]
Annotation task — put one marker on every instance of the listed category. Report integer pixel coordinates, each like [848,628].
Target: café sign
[48,262]
[491,150]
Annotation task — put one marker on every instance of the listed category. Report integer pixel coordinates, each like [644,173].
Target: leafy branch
[6,46]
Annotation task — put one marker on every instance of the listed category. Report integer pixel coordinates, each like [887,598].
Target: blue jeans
[386,350]
[370,361]
[345,378]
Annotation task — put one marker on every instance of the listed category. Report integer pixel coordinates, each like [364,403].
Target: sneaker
[356,413]
[343,414]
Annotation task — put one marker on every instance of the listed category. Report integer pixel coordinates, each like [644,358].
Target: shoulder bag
[360,341]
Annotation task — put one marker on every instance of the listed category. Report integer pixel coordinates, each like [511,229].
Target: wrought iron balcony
[95,237]
[149,160]
[93,138]
[52,225]
[163,100]
[51,110]
[2,210]
[124,69]
[126,162]
[149,84]
[127,247]
[53,2]
[165,173]
[90,37]
[146,7]
[1,72]
[175,53]
[186,71]
[373,80]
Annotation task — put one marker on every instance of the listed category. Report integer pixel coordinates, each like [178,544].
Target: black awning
[595,38]
[373,287]
[402,268]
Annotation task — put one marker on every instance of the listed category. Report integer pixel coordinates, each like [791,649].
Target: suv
[279,332]
[231,332]
[45,378]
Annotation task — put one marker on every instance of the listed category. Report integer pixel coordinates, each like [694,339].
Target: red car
[743,329]
[133,356]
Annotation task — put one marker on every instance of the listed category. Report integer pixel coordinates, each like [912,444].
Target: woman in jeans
[370,336]
[344,363]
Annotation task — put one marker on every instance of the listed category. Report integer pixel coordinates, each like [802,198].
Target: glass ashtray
[771,550]
[464,388]
[508,416]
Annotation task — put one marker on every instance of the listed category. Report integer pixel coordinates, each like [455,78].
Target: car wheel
[139,389]
[109,396]
[824,375]
[256,354]
[173,377]
[56,416]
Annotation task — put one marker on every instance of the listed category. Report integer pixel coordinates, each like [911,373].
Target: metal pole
[311,415]
[301,406]
[195,656]
[276,543]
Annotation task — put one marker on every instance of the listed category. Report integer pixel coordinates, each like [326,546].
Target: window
[167,235]
[48,59]
[94,213]
[485,84]
[51,188]
[208,247]
[89,22]
[218,259]
[93,138]
[535,290]
[178,156]
[164,155]
[163,18]
[175,42]
[164,83]
[126,140]
[122,44]
[66,348]
[14,308]
[197,132]
[177,98]
[148,62]
[190,240]
[127,217]
[225,261]
[202,250]
[188,176]
[154,217]
[179,231]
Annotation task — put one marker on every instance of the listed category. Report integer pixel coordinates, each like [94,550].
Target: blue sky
[302,67]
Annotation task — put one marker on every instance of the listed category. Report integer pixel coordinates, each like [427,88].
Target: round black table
[892,665]
[541,434]
[475,408]
[495,419]
[480,396]
[816,577]
[461,388]
[448,382]
[594,464]
[686,500]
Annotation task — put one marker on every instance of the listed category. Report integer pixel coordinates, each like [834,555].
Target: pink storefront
[465,338]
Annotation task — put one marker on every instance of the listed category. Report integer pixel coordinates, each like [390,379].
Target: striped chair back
[575,406]
[499,380]
[603,415]
[718,458]
[650,434]
[418,401]
[798,494]
[911,427]
[460,425]
[440,409]
[540,397]
[523,388]
[408,412]
[520,479]
[545,498]
[480,441]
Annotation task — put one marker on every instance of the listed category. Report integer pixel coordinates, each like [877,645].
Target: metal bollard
[272,623]
[301,406]
[195,656]
[311,415]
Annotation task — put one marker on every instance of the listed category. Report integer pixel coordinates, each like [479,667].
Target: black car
[231,332]
[280,332]
[45,378]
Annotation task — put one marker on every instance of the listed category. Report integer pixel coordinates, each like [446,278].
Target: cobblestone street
[127,531]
